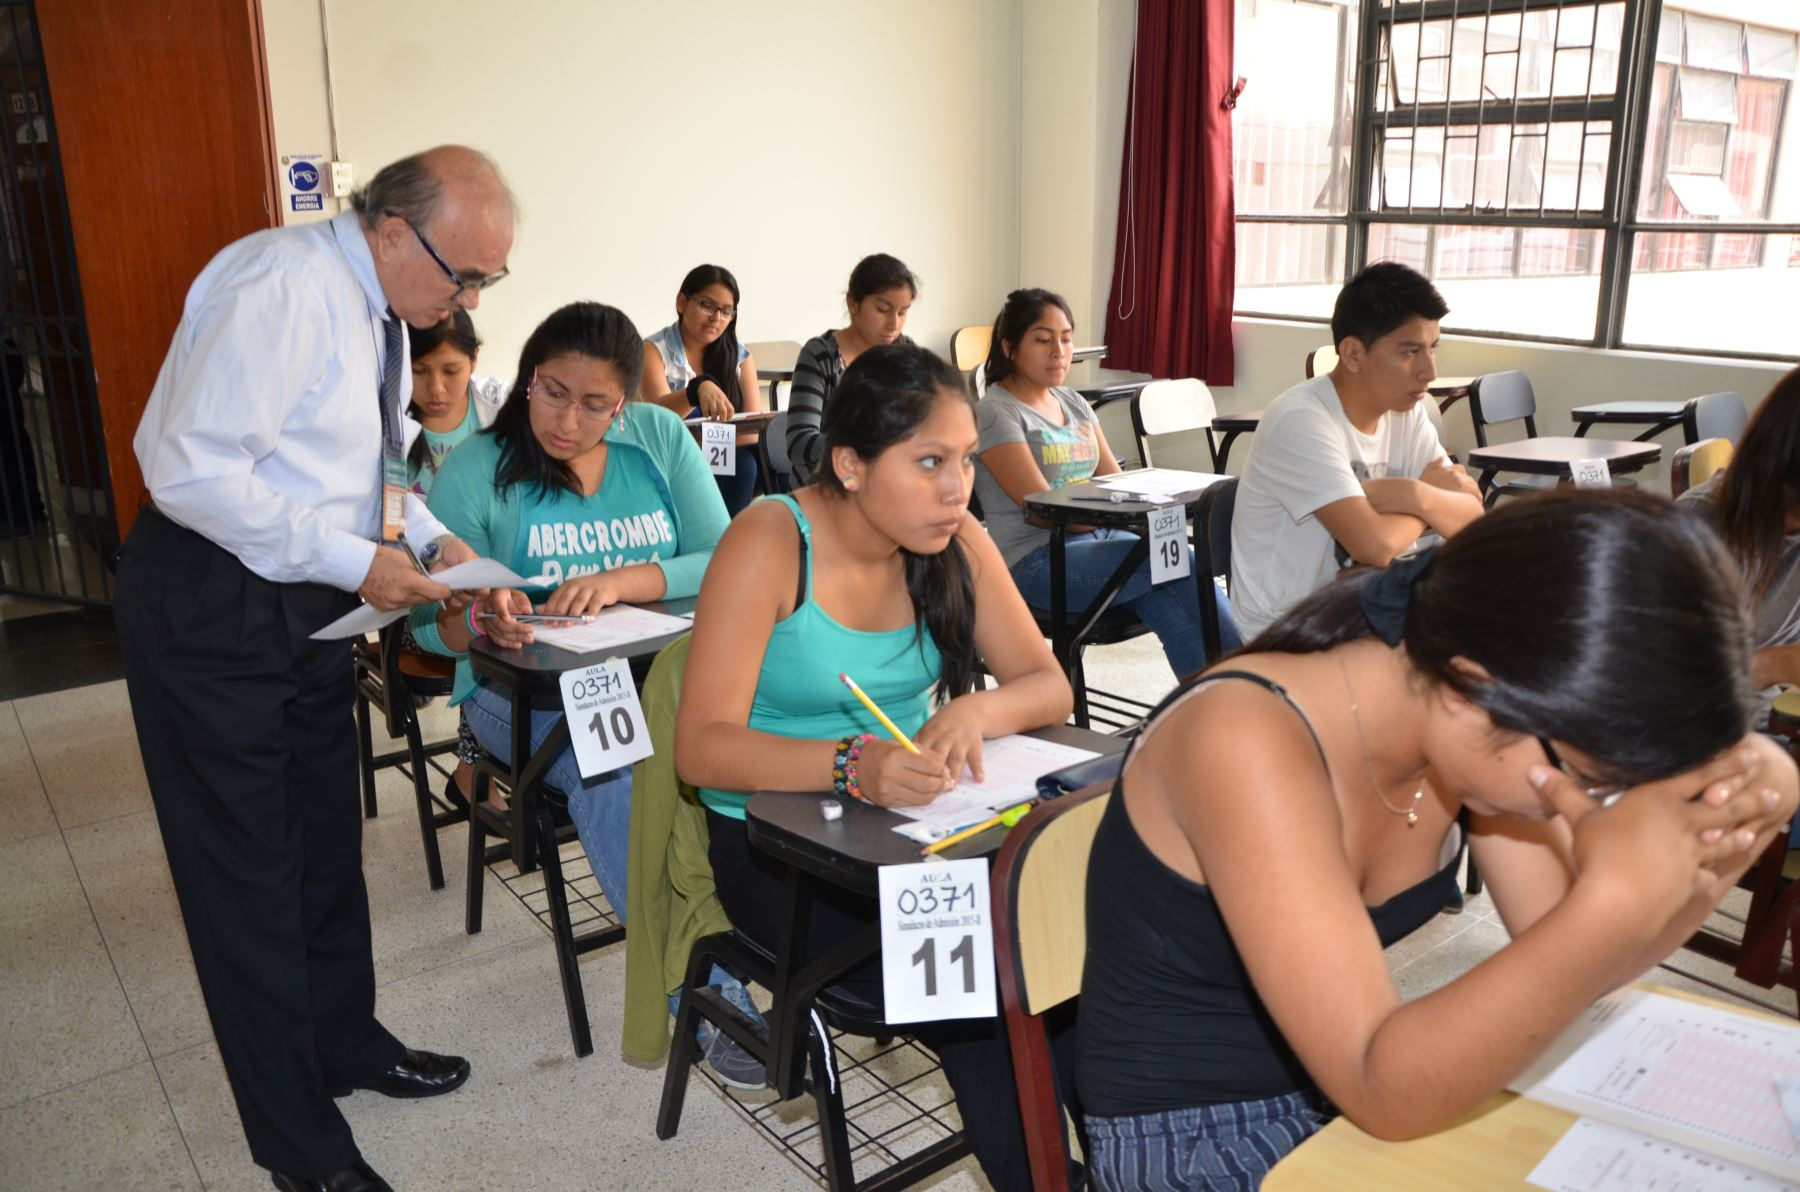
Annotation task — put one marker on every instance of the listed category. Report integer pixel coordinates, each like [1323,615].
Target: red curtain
[1173,267]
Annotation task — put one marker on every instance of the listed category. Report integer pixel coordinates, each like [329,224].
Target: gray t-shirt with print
[1066,453]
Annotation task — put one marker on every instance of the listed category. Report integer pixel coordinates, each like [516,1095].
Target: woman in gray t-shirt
[1038,434]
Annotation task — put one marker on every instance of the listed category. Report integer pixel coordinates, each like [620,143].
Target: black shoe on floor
[418,1074]
[359,1177]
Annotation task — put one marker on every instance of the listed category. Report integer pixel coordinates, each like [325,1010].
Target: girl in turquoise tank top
[878,571]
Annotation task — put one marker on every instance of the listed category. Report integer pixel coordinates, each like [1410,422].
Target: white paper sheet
[614,627]
[476,573]
[1012,765]
[1595,1157]
[1158,484]
[1696,1075]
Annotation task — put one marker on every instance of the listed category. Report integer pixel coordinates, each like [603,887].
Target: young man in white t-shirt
[1349,459]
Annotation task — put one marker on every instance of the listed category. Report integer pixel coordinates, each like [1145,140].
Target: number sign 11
[937,941]
[606,721]
[718,442]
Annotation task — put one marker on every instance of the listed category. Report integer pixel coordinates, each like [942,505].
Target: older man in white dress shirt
[265,446]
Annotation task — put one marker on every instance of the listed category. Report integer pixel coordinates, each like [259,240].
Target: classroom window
[1606,172]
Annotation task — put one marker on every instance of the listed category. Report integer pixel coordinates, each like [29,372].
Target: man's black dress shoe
[418,1074]
[359,1178]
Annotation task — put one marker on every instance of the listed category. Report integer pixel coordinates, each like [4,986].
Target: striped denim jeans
[1227,1147]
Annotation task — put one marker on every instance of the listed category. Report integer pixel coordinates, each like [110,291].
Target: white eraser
[830,809]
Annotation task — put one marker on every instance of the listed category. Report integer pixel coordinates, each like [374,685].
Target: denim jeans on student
[600,807]
[1168,608]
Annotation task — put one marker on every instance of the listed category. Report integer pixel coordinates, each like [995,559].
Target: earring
[849,483]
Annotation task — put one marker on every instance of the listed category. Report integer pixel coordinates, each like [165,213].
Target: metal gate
[58,529]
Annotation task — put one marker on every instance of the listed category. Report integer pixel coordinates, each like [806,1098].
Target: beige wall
[781,138]
[979,140]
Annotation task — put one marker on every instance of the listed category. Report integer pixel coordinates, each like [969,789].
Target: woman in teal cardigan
[613,504]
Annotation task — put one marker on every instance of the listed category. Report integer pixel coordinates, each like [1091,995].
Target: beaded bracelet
[844,778]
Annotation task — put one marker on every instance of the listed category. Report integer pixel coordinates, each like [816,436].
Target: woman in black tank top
[1273,830]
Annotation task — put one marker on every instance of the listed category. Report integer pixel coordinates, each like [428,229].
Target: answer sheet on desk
[1697,1075]
[1012,765]
[613,627]
[1595,1157]
[1158,484]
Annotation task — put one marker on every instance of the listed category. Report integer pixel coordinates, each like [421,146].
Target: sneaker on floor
[729,1061]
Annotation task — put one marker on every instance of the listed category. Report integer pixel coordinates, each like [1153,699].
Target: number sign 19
[606,721]
[718,441]
[937,941]
[1168,543]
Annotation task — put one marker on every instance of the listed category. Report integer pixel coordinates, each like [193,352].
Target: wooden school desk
[1494,1146]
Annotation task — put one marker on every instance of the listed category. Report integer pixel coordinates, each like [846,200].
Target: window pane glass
[1714,45]
[1289,269]
[1771,52]
[1721,146]
[1291,154]
[1501,57]
[1524,281]
[1528,168]
[1721,293]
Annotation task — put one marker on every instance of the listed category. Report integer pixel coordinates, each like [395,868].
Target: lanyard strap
[393,434]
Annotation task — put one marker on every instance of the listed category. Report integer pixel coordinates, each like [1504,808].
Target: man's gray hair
[413,187]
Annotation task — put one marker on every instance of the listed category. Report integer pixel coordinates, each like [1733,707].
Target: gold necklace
[1411,813]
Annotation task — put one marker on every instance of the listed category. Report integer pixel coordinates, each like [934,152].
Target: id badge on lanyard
[393,450]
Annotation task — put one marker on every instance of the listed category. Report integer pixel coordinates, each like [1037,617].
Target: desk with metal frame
[1657,416]
[1551,455]
[1090,504]
[533,674]
[848,853]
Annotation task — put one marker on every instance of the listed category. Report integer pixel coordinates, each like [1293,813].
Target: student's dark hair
[1762,484]
[589,329]
[720,361]
[1605,619]
[884,396]
[1378,300]
[877,272]
[459,332]
[1022,309]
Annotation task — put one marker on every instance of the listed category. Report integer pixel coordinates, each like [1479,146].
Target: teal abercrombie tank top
[798,693]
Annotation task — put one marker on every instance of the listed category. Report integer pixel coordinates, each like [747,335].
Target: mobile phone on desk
[542,618]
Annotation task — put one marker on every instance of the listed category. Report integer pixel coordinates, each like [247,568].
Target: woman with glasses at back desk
[1572,671]
[696,367]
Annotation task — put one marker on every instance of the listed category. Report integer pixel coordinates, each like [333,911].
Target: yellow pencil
[879,714]
[1009,817]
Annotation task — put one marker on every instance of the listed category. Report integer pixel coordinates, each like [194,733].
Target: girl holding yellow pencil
[875,570]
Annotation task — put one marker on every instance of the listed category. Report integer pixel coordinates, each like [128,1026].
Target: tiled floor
[110,1079]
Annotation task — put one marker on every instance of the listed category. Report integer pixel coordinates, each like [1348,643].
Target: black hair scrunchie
[1386,597]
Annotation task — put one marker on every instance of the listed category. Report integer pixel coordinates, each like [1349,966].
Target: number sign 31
[937,941]
[606,721]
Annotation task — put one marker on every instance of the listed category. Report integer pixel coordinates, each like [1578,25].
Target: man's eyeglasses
[462,283]
[1606,795]
[713,311]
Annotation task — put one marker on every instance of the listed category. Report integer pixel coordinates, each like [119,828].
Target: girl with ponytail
[1571,673]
